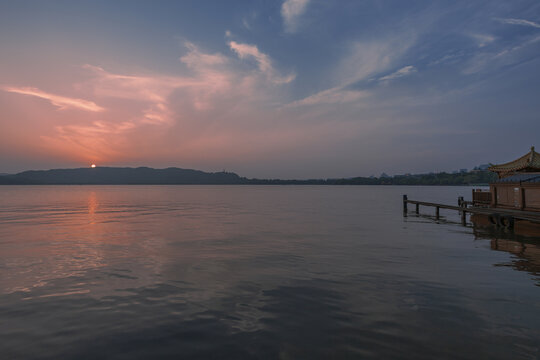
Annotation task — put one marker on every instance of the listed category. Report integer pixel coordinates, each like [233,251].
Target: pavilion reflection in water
[525,250]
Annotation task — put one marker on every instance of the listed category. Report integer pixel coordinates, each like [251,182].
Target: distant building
[483,167]
[384,175]
[462,170]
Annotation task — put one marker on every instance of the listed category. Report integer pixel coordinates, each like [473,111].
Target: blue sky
[296,88]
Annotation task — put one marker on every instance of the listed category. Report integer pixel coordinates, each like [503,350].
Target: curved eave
[528,162]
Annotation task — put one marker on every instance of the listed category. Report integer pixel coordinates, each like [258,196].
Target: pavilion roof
[527,163]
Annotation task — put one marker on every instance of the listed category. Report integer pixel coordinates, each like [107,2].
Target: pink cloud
[61,102]
[264,62]
[195,58]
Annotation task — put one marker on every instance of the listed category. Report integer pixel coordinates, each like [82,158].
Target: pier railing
[463,207]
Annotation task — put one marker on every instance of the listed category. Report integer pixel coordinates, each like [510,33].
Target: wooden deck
[464,208]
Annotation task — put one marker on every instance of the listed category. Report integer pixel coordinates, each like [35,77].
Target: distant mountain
[120,176]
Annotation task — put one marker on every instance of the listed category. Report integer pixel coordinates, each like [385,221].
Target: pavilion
[518,186]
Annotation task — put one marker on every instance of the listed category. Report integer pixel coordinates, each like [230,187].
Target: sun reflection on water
[93,205]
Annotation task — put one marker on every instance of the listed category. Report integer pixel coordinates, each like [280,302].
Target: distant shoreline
[177,176]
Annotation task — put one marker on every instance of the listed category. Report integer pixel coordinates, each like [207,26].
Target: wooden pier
[512,202]
[497,216]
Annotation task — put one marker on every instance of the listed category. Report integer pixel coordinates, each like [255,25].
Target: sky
[269,89]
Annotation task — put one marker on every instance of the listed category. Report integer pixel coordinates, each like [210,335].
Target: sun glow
[93,165]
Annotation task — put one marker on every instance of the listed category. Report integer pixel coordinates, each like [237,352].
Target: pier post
[463,218]
[437,213]
[417,208]
[404,203]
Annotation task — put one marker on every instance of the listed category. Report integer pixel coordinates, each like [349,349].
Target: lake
[258,272]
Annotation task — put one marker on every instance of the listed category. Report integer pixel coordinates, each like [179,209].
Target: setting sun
[93,165]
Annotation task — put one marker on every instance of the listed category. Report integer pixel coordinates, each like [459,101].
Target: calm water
[277,272]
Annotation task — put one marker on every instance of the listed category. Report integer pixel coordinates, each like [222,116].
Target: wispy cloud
[404,71]
[138,87]
[291,10]
[61,102]
[196,58]
[363,60]
[249,20]
[448,58]
[337,95]
[264,63]
[482,39]
[486,61]
[520,22]
[152,91]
